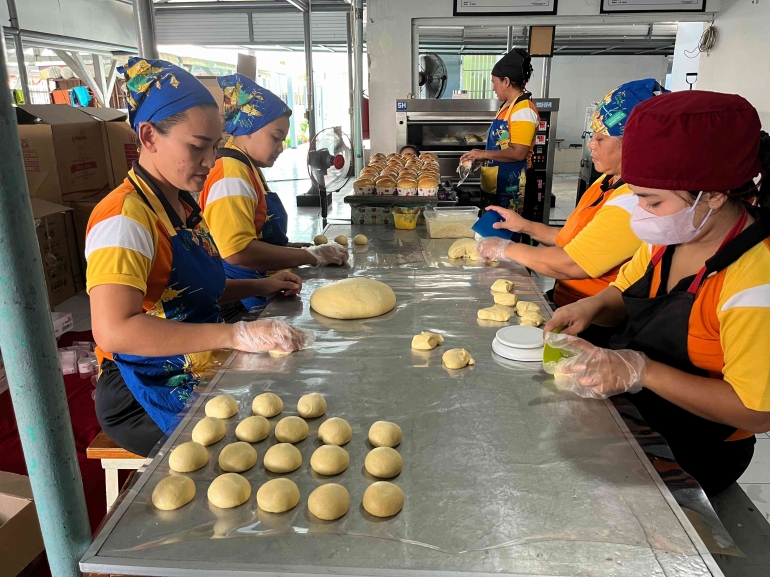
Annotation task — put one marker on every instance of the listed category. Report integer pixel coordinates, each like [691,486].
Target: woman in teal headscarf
[154,273]
[247,220]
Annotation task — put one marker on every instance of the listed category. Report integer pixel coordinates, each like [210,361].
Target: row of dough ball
[502,293]
[266,405]
[359,239]
[452,359]
[327,502]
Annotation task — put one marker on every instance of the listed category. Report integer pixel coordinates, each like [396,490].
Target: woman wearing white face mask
[693,305]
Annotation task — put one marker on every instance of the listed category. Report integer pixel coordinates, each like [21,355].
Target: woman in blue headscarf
[155,275]
[247,220]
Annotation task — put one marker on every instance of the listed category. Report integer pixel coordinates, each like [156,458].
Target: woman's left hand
[493,248]
[281,282]
[476,156]
[594,373]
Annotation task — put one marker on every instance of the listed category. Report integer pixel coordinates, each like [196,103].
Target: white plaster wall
[578,81]
[686,56]
[740,61]
[389,37]
[100,20]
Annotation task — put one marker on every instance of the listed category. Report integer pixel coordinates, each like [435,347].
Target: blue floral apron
[162,385]
[273,231]
[504,182]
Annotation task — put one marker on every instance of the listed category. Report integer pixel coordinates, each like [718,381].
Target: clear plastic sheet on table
[503,473]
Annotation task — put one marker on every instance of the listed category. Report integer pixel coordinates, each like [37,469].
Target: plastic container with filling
[451,221]
[406,218]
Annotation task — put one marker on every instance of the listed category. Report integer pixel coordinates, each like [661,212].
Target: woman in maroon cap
[693,305]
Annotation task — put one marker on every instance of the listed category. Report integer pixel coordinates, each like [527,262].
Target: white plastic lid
[516,354]
[519,337]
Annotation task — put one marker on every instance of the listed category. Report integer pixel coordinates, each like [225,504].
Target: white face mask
[666,230]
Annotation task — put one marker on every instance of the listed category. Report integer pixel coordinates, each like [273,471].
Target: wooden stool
[113,459]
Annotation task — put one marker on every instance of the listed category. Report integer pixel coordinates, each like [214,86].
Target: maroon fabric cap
[692,140]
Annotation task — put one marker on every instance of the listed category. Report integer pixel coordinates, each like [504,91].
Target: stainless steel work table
[502,473]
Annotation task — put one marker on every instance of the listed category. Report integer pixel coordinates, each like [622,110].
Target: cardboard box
[64,154]
[62,322]
[81,212]
[20,538]
[120,141]
[54,249]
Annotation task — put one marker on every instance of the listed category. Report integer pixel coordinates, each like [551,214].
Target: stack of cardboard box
[73,157]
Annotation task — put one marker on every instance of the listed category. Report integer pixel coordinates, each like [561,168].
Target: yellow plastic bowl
[405,218]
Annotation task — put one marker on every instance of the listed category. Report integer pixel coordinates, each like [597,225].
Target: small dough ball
[188,457]
[360,239]
[291,430]
[505,299]
[502,286]
[329,460]
[383,499]
[283,458]
[278,495]
[208,431]
[320,239]
[229,490]
[222,407]
[531,319]
[252,429]
[457,359]
[464,248]
[335,431]
[267,405]
[237,457]
[341,239]
[495,313]
[329,502]
[526,306]
[426,341]
[173,492]
[383,462]
[385,434]
[311,406]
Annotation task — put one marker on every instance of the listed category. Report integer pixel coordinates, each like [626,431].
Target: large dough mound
[353,298]
[464,248]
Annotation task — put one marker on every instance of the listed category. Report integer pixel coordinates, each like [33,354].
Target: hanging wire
[707,41]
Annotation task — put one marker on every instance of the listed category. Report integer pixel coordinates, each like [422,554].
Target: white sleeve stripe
[525,114]
[625,201]
[757,297]
[230,186]
[120,232]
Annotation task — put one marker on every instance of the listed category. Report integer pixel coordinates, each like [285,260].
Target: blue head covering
[613,111]
[158,89]
[248,106]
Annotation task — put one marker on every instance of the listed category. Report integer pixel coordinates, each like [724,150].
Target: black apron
[658,327]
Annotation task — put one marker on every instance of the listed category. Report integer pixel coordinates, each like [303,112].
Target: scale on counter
[518,343]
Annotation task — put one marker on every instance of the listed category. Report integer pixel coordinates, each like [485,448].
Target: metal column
[349,29]
[510,39]
[307,23]
[546,84]
[415,60]
[358,84]
[13,16]
[144,19]
[32,365]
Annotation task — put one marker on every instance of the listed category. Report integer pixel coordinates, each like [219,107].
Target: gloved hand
[270,335]
[329,253]
[594,373]
[493,248]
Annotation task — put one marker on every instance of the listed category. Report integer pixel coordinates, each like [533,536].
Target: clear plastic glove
[594,373]
[329,253]
[270,335]
[493,248]
[512,220]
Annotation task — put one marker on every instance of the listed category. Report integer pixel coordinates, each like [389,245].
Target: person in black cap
[511,135]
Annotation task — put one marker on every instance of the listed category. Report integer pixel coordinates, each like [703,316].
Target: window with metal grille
[475,76]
